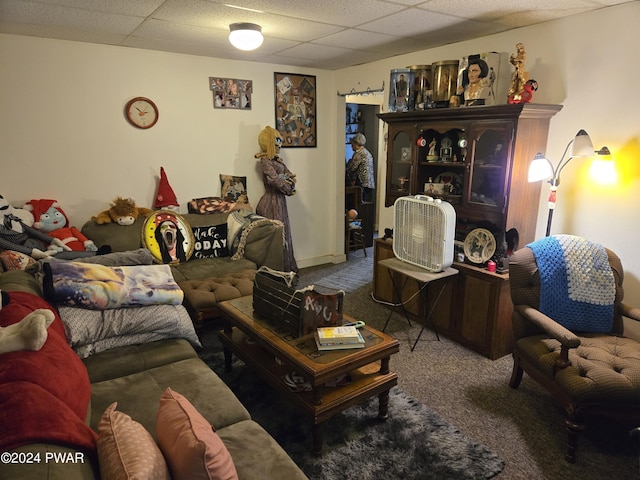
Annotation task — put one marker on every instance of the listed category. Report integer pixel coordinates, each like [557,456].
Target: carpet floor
[413,443]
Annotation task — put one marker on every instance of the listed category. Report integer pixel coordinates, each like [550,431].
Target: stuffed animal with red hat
[165,197]
[16,235]
[50,218]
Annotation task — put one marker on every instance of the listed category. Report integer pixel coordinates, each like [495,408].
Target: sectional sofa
[54,402]
[253,242]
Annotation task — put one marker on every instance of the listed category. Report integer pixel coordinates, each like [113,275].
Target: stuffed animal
[50,218]
[527,93]
[30,333]
[20,237]
[123,211]
[165,197]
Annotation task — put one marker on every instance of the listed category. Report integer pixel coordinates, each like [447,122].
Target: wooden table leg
[317,439]
[383,405]
[316,394]
[228,355]
[384,366]
[228,359]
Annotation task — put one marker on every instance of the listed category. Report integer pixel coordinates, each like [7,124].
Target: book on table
[339,341]
[331,335]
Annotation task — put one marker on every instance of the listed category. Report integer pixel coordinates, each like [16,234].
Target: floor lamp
[541,167]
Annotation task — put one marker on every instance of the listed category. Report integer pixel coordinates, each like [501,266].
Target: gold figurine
[520,76]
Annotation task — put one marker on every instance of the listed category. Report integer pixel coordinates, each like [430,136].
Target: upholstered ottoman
[201,297]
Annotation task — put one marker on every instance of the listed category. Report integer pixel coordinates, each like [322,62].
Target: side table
[423,278]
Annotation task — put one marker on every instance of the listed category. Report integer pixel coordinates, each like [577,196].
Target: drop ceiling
[324,34]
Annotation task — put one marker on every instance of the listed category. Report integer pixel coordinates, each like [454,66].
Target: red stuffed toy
[50,218]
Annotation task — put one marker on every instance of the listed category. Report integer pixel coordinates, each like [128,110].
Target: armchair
[588,372]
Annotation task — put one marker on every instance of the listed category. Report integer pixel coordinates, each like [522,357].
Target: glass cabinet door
[400,179]
[490,166]
[442,156]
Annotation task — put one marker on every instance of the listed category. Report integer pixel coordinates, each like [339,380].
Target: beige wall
[63,135]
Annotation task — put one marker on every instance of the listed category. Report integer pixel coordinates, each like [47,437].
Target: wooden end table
[274,352]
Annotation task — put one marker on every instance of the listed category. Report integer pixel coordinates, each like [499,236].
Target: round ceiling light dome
[245,36]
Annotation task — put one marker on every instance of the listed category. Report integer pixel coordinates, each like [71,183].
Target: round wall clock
[141,112]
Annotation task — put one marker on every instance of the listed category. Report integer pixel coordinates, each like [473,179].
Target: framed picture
[231,93]
[295,103]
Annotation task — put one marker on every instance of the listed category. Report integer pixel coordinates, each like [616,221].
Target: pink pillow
[126,450]
[189,443]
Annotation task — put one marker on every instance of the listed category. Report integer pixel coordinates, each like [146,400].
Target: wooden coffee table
[274,352]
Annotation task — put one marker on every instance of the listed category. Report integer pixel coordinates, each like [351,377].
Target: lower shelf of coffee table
[366,381]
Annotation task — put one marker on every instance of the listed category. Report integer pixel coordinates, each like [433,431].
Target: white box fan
[424,231]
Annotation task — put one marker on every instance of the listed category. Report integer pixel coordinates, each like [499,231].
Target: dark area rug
[413,443]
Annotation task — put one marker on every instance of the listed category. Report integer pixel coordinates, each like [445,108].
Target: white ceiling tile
[500,8]
[140,8]
[410,22]
[207,14]
[316,33]
[335,12]
[63,19]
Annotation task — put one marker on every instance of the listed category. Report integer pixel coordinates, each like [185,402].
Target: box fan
[423,232]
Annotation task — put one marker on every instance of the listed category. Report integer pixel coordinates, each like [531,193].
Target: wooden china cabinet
[475,158]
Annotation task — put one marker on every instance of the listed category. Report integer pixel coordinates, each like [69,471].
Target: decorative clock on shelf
[479,245]
[141,112]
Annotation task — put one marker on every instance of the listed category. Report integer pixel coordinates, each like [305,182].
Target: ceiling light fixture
[245,36]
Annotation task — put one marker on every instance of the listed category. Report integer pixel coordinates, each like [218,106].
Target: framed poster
[295,97]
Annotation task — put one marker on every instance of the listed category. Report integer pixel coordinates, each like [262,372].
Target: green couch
[206,281]
[264,246]
[135,376]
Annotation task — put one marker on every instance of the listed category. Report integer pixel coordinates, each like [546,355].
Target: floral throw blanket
[577,287]
[99,287]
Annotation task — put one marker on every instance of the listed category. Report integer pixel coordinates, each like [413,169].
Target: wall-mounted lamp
[581,146]
[245,36]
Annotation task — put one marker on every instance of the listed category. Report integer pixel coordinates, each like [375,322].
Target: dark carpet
[413,443]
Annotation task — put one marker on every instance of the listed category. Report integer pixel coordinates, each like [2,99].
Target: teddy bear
[50,218]
[30,333]
[123,211]
[18,236]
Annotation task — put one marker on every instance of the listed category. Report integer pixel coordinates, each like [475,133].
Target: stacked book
[338,338]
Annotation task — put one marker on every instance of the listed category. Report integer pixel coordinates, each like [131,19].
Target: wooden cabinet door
[477,310]
[484,317]
[382,286]
[490,166]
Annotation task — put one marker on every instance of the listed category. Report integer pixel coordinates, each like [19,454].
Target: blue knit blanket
[577,287]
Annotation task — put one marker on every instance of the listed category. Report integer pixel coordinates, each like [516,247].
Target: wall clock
[141,112]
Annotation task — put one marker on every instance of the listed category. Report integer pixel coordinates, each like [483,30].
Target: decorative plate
[480,245]
[168,237]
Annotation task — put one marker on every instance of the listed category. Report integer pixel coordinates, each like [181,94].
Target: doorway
[362,118]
